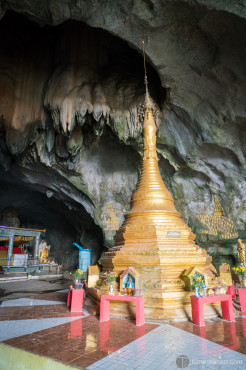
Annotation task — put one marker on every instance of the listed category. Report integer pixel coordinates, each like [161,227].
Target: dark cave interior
[32,53]
[68,115]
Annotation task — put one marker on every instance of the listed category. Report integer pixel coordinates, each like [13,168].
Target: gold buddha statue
[43,252]
[241,251]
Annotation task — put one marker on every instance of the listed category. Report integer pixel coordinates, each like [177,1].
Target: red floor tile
[227,334]
[83,341]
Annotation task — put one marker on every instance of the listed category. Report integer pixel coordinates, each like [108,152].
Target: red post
[69,297]
[231,291]
[140,311]
[227,309]
[75,300]
[242,298]
[197,311]
[104,309]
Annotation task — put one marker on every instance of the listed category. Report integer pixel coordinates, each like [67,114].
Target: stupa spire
[154,239]
[152,203]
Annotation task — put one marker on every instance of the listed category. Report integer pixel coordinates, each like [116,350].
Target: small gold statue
[225,274]
[241,251]
[43,252]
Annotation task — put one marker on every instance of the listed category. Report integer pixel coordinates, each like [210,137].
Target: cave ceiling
[71,77]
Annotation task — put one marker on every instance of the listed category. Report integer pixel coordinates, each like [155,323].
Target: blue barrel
[84,257]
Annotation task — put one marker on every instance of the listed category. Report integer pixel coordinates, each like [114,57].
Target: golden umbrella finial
[148,103]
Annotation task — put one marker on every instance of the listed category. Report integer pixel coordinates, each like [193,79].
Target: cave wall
[70,96]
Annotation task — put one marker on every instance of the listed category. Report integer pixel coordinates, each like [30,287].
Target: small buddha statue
[43,253]
[241,251]
[129,286]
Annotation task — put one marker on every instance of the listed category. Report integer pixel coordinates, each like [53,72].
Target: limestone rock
[71,82]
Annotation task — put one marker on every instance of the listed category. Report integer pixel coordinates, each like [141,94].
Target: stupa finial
[148,103]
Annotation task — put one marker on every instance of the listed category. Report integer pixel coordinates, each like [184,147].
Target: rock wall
[69,97]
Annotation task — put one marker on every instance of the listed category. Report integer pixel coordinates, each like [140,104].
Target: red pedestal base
[198,309]
[75,300]
[231,291]
[242,299]
[104,307]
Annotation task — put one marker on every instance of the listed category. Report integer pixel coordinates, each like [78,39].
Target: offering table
[105,302]
[198,309]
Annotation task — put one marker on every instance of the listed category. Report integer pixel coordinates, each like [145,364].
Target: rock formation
[71,81]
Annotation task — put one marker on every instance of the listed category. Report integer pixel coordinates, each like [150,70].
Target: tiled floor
[42,324]
[229,335]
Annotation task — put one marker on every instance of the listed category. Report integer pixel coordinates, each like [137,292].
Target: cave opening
[67,90]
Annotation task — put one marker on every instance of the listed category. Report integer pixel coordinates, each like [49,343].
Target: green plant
[240,271]
[77,274]
[196,280]
[111,277]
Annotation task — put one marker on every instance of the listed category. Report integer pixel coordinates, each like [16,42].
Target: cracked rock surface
[71,77]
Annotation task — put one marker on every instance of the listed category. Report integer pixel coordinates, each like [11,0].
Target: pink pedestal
[242,299]
[75,299]
[104,307]
[231,291]
[198,309]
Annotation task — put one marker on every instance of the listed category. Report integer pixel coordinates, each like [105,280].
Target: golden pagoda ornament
[155,241]
[218,224]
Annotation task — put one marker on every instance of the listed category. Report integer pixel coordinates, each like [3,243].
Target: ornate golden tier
[156,242]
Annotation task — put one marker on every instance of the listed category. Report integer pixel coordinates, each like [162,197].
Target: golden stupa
[155,241]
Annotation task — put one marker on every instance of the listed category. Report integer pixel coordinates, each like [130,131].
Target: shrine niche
[188,275]
[130,274]
[13,252]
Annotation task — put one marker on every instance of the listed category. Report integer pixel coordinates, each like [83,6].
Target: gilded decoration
[18,239]
[111,217]
[218,224]
[241,251]
[155,241]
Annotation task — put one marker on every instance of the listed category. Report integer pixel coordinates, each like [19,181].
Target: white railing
[27,264]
